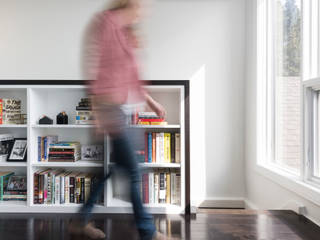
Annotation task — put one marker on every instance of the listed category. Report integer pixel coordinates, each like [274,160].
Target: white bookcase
[49,98]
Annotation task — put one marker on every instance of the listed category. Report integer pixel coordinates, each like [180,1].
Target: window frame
[304,183]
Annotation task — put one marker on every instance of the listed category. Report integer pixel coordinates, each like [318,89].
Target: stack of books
[147,118]
[64,152]
[10,112]
[150,118]
[43,146]
[16,189]
[84,113]
[161,187]
[161,147]
[62,187]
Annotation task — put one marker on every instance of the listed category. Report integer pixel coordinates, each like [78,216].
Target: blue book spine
[150,147]
[39,149]
[45,140]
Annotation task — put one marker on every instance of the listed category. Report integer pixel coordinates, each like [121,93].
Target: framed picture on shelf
[19,150]
[92,152]
[6,143]
[17,183]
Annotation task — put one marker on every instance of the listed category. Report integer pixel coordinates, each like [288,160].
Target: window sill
[290,182]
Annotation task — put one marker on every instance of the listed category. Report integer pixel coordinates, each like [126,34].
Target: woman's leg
[124,156]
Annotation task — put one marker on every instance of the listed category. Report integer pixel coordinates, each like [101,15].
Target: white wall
[263,193]
[201,40]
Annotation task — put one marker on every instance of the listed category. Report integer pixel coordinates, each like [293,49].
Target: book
[157,147]
[177,150]
[4,178]
[151,187]
[146,150]
[149,147]
[172,148]
[145,182]
[161,148]
[153,147]
[168,188]
[162,187]
[156,187]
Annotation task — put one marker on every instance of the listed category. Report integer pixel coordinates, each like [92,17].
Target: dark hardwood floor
[207,224]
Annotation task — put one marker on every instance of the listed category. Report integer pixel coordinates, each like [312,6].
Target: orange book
[153,147]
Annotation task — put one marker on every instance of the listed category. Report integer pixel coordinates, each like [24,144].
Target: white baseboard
[223,203]
[250,205]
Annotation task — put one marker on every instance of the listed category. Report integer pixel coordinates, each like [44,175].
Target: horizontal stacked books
[161,187]
[84,113]
[10,112]
[161,147]
[64,152]
[60,187]
[12,188]
[147,118]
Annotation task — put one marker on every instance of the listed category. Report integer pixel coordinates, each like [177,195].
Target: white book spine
[177,153]
[156,187]
[161,147]
[173,191]
[157,147]
[62,190]
[57,190]
[67,193]
[151,187]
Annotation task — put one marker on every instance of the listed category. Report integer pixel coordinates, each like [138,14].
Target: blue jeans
[125,159]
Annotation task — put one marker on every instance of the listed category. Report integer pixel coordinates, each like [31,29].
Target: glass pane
[287,55]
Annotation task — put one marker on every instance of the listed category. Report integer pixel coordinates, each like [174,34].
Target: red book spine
[146,147]
[145,188]
[151,119]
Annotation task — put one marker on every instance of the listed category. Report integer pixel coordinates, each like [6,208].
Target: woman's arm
[155,106]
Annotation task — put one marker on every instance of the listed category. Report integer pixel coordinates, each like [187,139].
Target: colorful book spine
[153,147]
[168,189]
[146,147]
[39,148]
[149,147]
[45,141]
[157,147]
[36,188]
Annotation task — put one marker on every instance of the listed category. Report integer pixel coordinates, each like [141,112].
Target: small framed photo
[19,150]
[17,183]
[92,152]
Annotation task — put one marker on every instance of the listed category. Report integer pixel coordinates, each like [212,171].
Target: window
[279,62]
[288,51]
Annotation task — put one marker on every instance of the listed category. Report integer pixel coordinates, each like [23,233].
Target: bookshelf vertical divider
[50,97]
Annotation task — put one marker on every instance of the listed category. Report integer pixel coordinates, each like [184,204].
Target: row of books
[10,112]
[161,187]
[63,187]
[12,187]
[160,147]
[50,150]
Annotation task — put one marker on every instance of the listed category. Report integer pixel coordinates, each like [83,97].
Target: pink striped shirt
[110,60]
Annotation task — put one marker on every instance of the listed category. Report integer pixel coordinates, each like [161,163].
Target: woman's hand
[155,106]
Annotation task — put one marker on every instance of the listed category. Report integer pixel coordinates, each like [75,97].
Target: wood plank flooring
[207,224]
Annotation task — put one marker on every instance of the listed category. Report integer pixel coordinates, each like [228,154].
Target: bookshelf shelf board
[13,164]
[62,126]
[13,125]
[176,126]
[80,163]
[157,165]
[4,204]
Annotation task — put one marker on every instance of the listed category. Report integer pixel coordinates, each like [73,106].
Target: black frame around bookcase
[185,83]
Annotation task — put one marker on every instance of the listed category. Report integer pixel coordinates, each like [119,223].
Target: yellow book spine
[165,144]
[169,148]
[168,186]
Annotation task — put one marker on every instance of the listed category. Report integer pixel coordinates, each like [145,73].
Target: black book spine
[172,148]
[82,191]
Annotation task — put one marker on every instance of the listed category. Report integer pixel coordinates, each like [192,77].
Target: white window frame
[305,184]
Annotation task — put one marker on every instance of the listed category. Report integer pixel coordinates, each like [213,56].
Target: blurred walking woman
[111,63]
